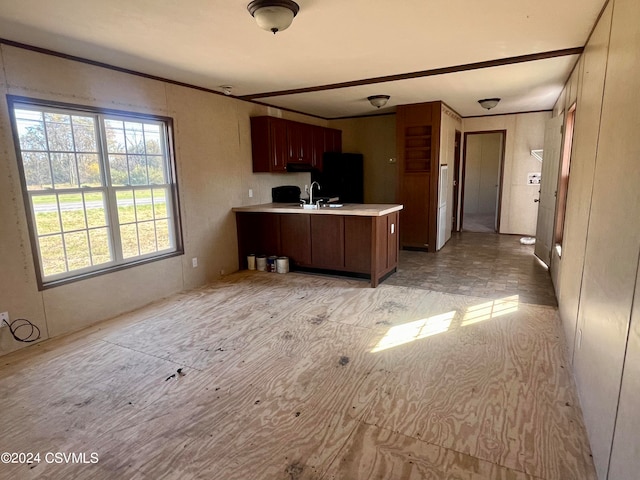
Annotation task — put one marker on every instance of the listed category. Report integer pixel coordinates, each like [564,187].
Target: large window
[100,188]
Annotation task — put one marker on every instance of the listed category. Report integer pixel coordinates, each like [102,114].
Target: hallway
[298,376]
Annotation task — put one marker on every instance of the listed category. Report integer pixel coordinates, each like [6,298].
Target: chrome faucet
[311,192]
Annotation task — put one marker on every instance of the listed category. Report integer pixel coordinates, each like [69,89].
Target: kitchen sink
[307,206]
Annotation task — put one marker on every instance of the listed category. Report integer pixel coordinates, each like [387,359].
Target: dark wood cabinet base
[362,246]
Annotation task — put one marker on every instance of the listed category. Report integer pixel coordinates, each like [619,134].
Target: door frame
[455,223]
[500,173]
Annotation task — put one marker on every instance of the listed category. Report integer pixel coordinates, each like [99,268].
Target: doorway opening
[482,181]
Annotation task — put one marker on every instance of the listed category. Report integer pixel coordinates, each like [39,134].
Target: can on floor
[282,265]
[261,263]
[271,263]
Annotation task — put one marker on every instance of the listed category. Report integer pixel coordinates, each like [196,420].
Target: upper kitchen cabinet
[276,142]
[300,142]
[418,145]
[318,146]
[332,140]
[269,144]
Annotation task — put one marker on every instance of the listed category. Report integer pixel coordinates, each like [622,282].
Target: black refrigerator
[342,176]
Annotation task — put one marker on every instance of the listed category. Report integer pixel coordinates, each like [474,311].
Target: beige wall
[375,138]
[213,153]
[524,132]
[598,273]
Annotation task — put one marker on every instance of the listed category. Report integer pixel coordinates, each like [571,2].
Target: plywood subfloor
[302,377]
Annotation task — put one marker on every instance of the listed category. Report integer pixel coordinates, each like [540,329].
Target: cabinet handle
[393,228]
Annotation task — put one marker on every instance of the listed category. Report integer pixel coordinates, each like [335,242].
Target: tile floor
[478,264]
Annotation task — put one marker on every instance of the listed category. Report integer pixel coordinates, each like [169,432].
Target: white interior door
[548,188]
[443,194]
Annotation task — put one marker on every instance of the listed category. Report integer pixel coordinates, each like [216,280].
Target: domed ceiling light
[378,100]
[273,15]
[489,103]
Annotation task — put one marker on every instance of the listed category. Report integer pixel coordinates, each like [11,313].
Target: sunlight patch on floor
[436,324]
[408,332]
[489,310]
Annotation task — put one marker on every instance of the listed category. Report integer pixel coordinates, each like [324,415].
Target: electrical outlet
[250,193]
[4,316]
[194,262]
[222,272]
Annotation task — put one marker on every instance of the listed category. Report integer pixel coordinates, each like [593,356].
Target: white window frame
[109,191]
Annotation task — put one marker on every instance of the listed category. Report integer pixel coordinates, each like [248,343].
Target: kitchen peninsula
[359,239]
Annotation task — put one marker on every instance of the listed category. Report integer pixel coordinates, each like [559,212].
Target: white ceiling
[210,43]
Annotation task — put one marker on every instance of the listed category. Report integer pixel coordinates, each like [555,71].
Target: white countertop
[357,209]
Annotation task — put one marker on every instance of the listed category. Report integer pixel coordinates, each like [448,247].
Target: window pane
[155,164]
[72,212]
[152,139]
[129,240]
[100,251]
[163,235]
[135,137]
[45,209]
[52,255]
[147,236]
[84,135]
[144,208]
[160,203]
[65,174]
[59,132]
[36,171]
[119,170]
[77,245]
[126,209]
[89,170]
[115,136]
[138,170]
[96,210]
[30,130]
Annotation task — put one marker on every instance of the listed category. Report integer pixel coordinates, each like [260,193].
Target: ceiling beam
[423,73]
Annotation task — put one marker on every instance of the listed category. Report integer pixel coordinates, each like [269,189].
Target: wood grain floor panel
[303,377]
[373,453]
[479,389]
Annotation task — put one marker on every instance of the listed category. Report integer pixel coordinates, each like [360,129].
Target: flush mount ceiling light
[489,103]
[273,15]
[378,100]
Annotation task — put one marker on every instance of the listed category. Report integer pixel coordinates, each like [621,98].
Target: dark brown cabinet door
[278,140]
[317,146]
[300,142]
[332,140]
[295,235]
[357,244]
[327,241]
[269,144]
[415,215]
